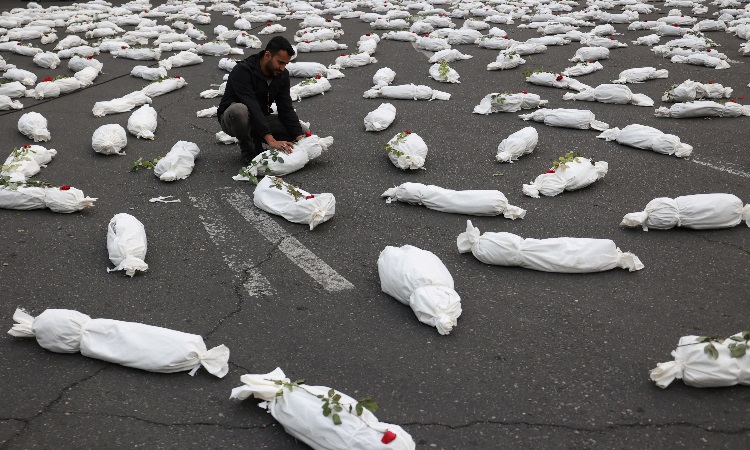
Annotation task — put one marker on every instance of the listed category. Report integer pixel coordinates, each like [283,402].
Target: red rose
[26,146]
[47,79]
[65,188]
[244,34]
[611,38]
[328,20]
[145,10]
[550,171]
[308,133]
[317,76]
[425,35]
[343,54]
[89,57]
[742,97]
[306,41]
[308,197]
[591,61]
[388,437]
[407,131]
[711,82]
[733,101]
[124,47]
[268,24]
[177,76]
[559,77]
[675,25]
[646,20]
[441,14]
[19,43]
[708,49]
[367,34]
[505,37]
[524,92]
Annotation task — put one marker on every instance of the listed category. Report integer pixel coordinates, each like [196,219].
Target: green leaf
[279,394]
[746,335]
[738,350]
[280,159]
[319,396]
[274,159]
[711,351]
[736,338]
[369,404]
[336,398]
[359,409]
[338,408]
[326,411]
[336,419]
[278,382]
[331,393]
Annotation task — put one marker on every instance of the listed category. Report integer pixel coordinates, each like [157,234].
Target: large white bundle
[67,84]
[389,24]
[597,41]
[582,68]
[298,410]
[22,197]
[272,28]
[184,58]
[562,254]
[431,44]
[149,73]
[317,34]
[570,176]
[66,199]
[7,103]
[126,244]
[407,150]
[702,361]
[548,41]
[248,40]
[590,54]
[177,46]
[26,50]
[648,138]
[417,278]
[463,36]
[271,162]
[449,55]
[309,87]
[76,63]
[406,36]
[641,74]
[24,76]
[354,60]
[138,54]
[367,46]
[611,93]
[109,139]
[699,211]
[690,90]
[47,60]
[34,126]
[383,77]
[130,344]
[556,80]
[648,40]
[524,48]
[46,89]
[276,196]
[517,144]
[443,73]
[70,41]
[471,202]
[582,119]
[407,92]
[625,17]
[164,86]
[703,108]
[122,104]
[86,76]
[381,118]
[25,162]
[319,46]
[110,45]
[701,59]
[496,42]
[178,163]
[504,102]
[305,69]
[14,89]
[142,123]
[506,59]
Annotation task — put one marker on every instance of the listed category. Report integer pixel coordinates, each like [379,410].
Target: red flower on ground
[407,131]
[559,77]
[268,24]
[317,76]
[26,146]
[388,437]
[308,133]
[550,171]
[711,82]
[65,188]
[47,79]
[89,57]
[525,92]
[328,20]
[343,54]
[177,76]
[367,34]
[308,197]
[306,41]
[733,101]
[124,47]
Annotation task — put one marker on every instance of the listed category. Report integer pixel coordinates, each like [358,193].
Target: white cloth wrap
[505,61]
[550,79]
[300,414]
[142,123]
[304,151]
[648,138]
[450,77]
[126,244]
[14,89]
[690,90]
[582,69]
[109,139]
[641,74]
[164,87]
[319,86]
[122,104]
[611,93]
[563,254]
[34,126]
[418,278]
[148,73]
[590,54]
[381,118]
[305,69]
[182,59]
[414,152]
[22,198]
[354,60]
[449,55]
[703,108]
[67,201]
[383,77]
[699,211]
[45,89]
[577,175]
[313,211]
[582,119]
[471,202]
[129,344]
[407,92]
[508,103]
[517,144]
[178,163]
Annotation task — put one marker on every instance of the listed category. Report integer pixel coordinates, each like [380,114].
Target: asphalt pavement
[538,360]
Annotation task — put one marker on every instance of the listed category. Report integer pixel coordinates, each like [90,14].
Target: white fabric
[470,202]
[582,119]
[45,89]
[648,138]
[178,163]
[319,46]
[517,144]
[122,104]
[304,151]
[34,126]
[576,175]
[126,244]
[24,76]
[641,74]
[703,108]
[129,344]
[68,84]
[76,63]
[551,80]
[14,89]
[690,90]
[313,87]
[562,254]
[431,44]
[86,76]
[138,54]
[381,118]
[22,198]
[162,87]
[383,77]
[407,92]
[451,75]
[299,412]
[109,139]
[417,278]
[506,59]
[699,211]
[305,69]
[582,68]
[701,59]
[182,59]
[611,93]
[66,201]
[47,60]
[503,102]
[142,123]
[590,54]
[449,55]
[307,209]
[412,151]
[354,60]
[7,103]
[406,36]
[208,112]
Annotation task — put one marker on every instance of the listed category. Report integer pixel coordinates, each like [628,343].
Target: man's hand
[283,146]
[299,137]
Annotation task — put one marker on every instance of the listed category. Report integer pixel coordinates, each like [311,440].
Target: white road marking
[723,169]
[256,285]
[306,260]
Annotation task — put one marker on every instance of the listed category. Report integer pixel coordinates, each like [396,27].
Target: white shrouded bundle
[504,102]
[305,69]
[367,46]
[165,86]
[34,126]
[597,41]
[640,74]
[25,162]
[611,93]
[407,150]
[524,48]
[23,76]
[648,138]
[463,36]
[590,54]
[7,103]
[405,36]
[443,73]
[86,76]
[122,104]
[690,90]
[417,278]
[496,42]
[381,118]
[299,411]
[178,163]
[449,55]
[70,41]
[208,112]
[228,64]
[471,202]
[129,344]
[47,60]
[383,77]
[273,28]
[431,44]
[317,34]
[181,59]
[699,211]
[216,49]
[138,54]
[648,40]
[248,40]
[142,123]
[305,150]
[109,139]
[695,366]
[506,59]
[309,87]
[64,199]
[126,244]
[582,68]
[517,144]
[571,176]
[701,59]
[562,254]
[318,46]
[354,60]
[68,84]
[14,89]
[77,63]
[556,80]
[45,89]
[407,92]
[582,119]
[703,108]
[276,196]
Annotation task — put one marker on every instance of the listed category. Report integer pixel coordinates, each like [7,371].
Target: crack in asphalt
[742,249]
[202,129]
[173,424]
[179,99]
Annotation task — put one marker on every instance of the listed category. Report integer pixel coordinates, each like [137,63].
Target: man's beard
[270,69]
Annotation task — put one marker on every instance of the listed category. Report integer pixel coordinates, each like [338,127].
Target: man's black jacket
[248,85]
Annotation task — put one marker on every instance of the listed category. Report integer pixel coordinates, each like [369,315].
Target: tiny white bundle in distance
[130,344]
[517,144]
[34,126]
[126,244]
[611,93]
[407,150]
[381,118]
[276,196]
[407,92]
[640,75]
[109,139]
[648,138]
[178,163]
[562,254]
[504,102]
[699,211]
[418,278]
[568,176]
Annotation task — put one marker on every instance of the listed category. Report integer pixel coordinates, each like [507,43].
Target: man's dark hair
[279,43]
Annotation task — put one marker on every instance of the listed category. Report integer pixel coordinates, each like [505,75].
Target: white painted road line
[723,169]
[318,270]
[256,285]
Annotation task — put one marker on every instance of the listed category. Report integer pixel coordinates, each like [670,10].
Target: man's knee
[235,119]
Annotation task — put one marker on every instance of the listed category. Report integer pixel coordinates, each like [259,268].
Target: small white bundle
[46,89]
[184,58]
[77,63]
[319,46]
[305,69]
[208,112]
[142,123]
[25,162]
[129,344]
[590,54]
[271,162]
[367,46]
[407,150]
[126,244]
[431,44]
[648,138]
[649,40]
[86,76]
[272,28]
[226,139]
[276,196]
[354,60]
[640,74]
[504,102]
[298,410]
[34,126]
[562,254]
[70,41]
[14,89]
[570,176]
[407,92]
[405,36]
[24,76]
[122,104]
[555,80]
[164,86]
[703,108]
[517,144]
[582,68]
[7,103]
[417,278]
[701,59]
[109,139]
[310,87]
[138,54]
[699,211]
[178,163]
[228,64]
[449,55]
[443,73]
[690,90]
[581,119]
[506,59]
[524,48]
[470,202]
[717,363]
[149,73]
[47,60]
[611,93]
[381,118]
[248,40]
